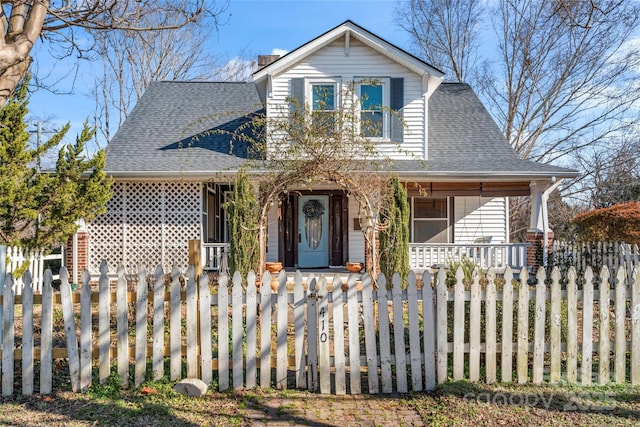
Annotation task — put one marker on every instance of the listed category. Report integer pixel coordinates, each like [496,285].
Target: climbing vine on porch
[394,233]
[242,211]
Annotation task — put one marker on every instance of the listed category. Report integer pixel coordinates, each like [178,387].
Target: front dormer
[388,85]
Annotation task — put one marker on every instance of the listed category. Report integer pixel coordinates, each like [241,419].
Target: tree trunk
[10,78]
[262,248]
[371,252]
[17,43]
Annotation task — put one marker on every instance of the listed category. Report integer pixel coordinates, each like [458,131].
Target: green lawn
[459,403]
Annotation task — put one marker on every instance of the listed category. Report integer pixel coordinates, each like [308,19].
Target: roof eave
[486,175]
[415,174]
[158,175]
[380,45]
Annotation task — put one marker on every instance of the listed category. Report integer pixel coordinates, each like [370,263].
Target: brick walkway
[305,409]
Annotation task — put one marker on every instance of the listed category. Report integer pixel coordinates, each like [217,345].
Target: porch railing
[215,256]
[485,255]
[421,255]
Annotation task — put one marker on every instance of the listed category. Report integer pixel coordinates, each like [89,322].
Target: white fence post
[7,338]
[3,274]
[70,330]
[338,338]
[300,349]
[27,335]
[385,342]
[46,334]
[251,324]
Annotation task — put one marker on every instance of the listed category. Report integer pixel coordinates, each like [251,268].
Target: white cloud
[280,52]
[236,69]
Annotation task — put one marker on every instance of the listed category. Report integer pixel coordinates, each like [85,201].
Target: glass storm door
[313,231]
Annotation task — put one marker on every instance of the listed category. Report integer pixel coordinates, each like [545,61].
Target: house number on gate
[323,326]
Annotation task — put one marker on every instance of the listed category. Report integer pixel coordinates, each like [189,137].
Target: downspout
[545,218]
[74,257]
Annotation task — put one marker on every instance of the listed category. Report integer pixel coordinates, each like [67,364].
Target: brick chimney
[264,60]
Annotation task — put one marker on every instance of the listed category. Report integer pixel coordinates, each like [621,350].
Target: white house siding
[362,62]
[147,223]
[480,218]
[272,236]
[356,238]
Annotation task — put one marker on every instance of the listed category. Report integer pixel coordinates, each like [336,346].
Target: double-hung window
[323,104]
[430,220]
[374,108]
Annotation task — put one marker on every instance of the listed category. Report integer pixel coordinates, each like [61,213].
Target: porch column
[539,234]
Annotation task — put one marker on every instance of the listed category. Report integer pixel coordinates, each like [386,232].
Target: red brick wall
[534,252]
[83,255]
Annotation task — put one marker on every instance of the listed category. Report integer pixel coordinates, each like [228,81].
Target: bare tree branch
[566,74]
[24,21]
[446,33]
[133,60]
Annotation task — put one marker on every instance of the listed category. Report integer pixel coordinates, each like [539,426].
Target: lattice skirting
[147,223]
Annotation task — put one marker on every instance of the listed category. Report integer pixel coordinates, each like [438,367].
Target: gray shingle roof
[463,138]
[179,127]
[160,136]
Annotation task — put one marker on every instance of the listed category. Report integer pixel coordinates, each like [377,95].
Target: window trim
[446,218]
[385,82]
[310,83]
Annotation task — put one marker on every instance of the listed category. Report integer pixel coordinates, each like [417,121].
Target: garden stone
[192,387]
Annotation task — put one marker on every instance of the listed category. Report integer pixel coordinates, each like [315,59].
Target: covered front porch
[450,221]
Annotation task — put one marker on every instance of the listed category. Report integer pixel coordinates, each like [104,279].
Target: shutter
[297,95]
[397,104]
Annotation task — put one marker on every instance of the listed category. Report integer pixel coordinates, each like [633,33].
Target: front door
[313,231]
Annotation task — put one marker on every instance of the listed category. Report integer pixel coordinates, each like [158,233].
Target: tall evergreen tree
[394,238]
[38,209]
[242,210]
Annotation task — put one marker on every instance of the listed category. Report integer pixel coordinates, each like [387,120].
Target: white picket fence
[322,338]
[16,257]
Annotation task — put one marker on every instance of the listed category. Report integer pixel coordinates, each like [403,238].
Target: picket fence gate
[400,339]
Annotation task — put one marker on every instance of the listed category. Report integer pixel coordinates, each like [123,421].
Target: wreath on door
[312,209]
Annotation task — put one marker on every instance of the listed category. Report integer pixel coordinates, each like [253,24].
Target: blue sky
[262,25]
[249,26]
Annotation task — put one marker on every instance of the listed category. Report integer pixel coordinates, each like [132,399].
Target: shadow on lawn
[614,401]
[68,408]
[136,409]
